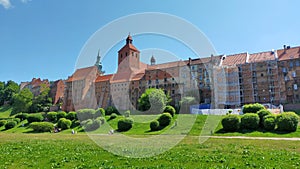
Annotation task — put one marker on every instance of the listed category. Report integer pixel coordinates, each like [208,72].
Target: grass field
[78,151]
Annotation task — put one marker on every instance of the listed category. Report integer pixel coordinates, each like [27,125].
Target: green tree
[2,87]
[153,100]
[11,88]
[43,101]
[22,101]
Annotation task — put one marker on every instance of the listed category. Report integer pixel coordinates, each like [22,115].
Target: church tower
[99,64]
[128,56]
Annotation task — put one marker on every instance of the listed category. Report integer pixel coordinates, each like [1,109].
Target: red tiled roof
[261,56]
[286,54]
[104,78]
[82,73]
[130,46]
[166,65]
[138,76]
[235,59]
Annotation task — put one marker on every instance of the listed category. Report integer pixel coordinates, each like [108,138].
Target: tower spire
[99,64]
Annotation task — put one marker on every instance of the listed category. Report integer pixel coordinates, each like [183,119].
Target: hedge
[71,115]
[252,108]
[10,124]
[2,122]
[125,124]
[22,116]
[64,123]
[113,116]
[287,121]
[269,122]
[231,122]
[164,119]
[35,118]
[109,110]
[85,114]
[154,125]
[127,113]
[61,114]
[250,121]
[170,109]
[100,112]
[52,116]
[42,126]
[262,113]
[90,125]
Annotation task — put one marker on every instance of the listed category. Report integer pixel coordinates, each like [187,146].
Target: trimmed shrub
[269,122]
[170,109]
[22,116]
[99,113]
[127,113]
[35,118]
[42,126]
[2,122]
[252,108]
[52,116]
[101,119]
[287,121]
[125,124]
[75,123]
[90,125]
[85,114]
[109,110]
[71,116]
[262,113]
[113,116]
[164,119]
[154,125]
[61,114]
[231,122]
[64,123]
[250,121]
[17,120]
[10,124]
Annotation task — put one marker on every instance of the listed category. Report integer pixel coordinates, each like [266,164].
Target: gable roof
[235,59]
[81,74]
[104,78]
[291,53]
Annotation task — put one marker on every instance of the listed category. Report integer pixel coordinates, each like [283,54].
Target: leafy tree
[2,87]
[153,100]
[43,101]
[22,101]
[11,88]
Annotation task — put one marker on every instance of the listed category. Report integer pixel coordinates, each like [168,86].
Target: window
[173,91]
[165,79]
[291,64]
[297,63]
[200,77]
[295,86]
[262,75]
[149,82]
[294,73]
[284,70]
[126,54]
[121,56]
[156,81]
[132,54]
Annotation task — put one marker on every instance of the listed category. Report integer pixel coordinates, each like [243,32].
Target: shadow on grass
[246,131]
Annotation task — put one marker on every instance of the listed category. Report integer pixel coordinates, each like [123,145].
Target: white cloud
[25,1]
[5,3]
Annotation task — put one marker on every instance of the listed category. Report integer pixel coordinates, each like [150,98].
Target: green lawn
[78,151]
[5,111]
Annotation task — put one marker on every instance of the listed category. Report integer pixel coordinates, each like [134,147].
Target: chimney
[284,46]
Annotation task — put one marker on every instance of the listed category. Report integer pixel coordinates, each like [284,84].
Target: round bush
[250,121]
[111,110]
[125,124]
[262,113]
[64,123]
[164,119]
[231,123]
[127,113]
[101,119]
[154,125]
[113,116]
[91,125]
[252,108]
[17,120]
[75,123]
[2,122]
[61,114]
[42,126]
[269,122]
[85,114]
[100,113]
[287,121]
[10,124]
[170,109]
[52,116]
[35,118]
[71,115]
[22,116]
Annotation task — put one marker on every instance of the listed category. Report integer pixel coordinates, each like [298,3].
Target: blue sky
[44,38]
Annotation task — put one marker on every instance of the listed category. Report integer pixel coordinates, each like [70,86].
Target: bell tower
[128,56]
